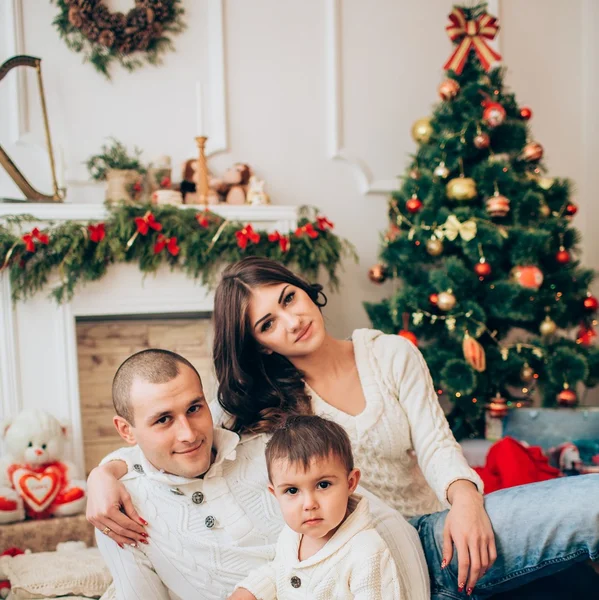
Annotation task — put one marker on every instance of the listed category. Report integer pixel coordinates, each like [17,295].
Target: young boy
[329,548]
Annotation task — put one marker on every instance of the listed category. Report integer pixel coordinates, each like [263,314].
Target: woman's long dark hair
[258,389]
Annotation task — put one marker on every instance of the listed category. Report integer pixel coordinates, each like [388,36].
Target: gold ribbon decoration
[471,35]
[452,228]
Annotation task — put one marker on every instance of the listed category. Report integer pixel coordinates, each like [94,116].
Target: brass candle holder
[202,189]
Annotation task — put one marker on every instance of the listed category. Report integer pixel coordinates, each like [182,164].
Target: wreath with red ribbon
[88,26]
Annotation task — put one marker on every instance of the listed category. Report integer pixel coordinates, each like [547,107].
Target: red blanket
[510,463]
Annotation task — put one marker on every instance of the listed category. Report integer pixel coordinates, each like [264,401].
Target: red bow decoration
[35,234]
[147,222]
[324,223]
[471,35]
[169,243]
[202,219]
[97,232]
[245,235]
[283,240]
[307,229]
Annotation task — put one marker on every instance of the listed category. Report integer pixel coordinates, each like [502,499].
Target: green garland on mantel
[199,242]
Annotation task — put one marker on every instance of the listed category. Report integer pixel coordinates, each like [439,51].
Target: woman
[273,356]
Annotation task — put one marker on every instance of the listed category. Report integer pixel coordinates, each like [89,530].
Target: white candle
[199,110]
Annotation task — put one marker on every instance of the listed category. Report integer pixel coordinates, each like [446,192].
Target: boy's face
[313,502]
[173,425]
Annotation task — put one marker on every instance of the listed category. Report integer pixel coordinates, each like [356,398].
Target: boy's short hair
[303,438]
[153,365]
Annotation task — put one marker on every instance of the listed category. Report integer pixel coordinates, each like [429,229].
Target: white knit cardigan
[354,564]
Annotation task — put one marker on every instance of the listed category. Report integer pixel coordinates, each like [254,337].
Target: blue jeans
[540,529]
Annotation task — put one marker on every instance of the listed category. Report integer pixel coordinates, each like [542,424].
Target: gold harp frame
[28,190]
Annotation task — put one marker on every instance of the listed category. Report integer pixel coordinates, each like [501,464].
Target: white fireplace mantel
[38,348]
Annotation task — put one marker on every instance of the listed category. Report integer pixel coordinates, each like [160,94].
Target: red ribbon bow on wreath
[35,234]
[147,222]
[202,219]
[307,229]
[245,235]
[283,240]
[169,243]
[473,35]
[97,232]
[324,223]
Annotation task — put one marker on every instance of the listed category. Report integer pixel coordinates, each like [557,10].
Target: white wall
[281,101]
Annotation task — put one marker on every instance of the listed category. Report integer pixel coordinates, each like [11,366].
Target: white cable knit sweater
[202,548]
[355,564]
[401,441]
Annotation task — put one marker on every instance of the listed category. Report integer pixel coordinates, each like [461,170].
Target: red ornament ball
[404,333]
[498,407]
[377,273]
[414,204]
[482,269]
[571,209]
[494,114]
[482,141]
[585,336]
[448,89]
[591,304]
[567,398]
[533,151]
[563,257]
[434,299]
[528,276]
[525,113]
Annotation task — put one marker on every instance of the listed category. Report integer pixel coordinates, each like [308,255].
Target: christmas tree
[482,247]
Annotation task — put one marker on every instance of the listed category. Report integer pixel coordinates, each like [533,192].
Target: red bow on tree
[282,239]
[307,229]
[202,219]
[471,35]
[97,232]
[169,243]
[245,235]
[35,234]
[324,223]
[147,222]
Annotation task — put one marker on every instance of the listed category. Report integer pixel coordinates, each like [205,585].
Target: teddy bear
[34,481]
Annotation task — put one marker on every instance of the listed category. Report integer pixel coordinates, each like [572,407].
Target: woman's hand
[109,506]
[468,527]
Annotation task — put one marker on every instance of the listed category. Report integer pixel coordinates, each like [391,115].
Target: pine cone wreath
[106,38]
[157,30]
[126,46]
[101,17]
[90,31]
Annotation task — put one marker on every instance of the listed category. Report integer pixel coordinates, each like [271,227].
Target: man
[202,491]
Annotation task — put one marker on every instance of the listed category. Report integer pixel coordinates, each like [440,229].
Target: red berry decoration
[591,304]
[563,256]
[525,113]
[585,336]
[482,269]
[414,204]
[404,333]
[434,299]
[571,210]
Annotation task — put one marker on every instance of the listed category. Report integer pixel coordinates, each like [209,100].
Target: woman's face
[283,319]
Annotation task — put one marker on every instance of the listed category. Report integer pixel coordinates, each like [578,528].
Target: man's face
[173,424]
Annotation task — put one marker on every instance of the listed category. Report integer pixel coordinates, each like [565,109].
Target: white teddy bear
[34,482]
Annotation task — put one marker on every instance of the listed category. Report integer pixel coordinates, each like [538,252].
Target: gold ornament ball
[548,327]
[498,205]
[527,373]
[434,247]
[544,210]
[441,170]
[448,89]
[446,301]
[422,130]
[377,273]
[461,188]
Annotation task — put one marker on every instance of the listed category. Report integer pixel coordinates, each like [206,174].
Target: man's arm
[133,575]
